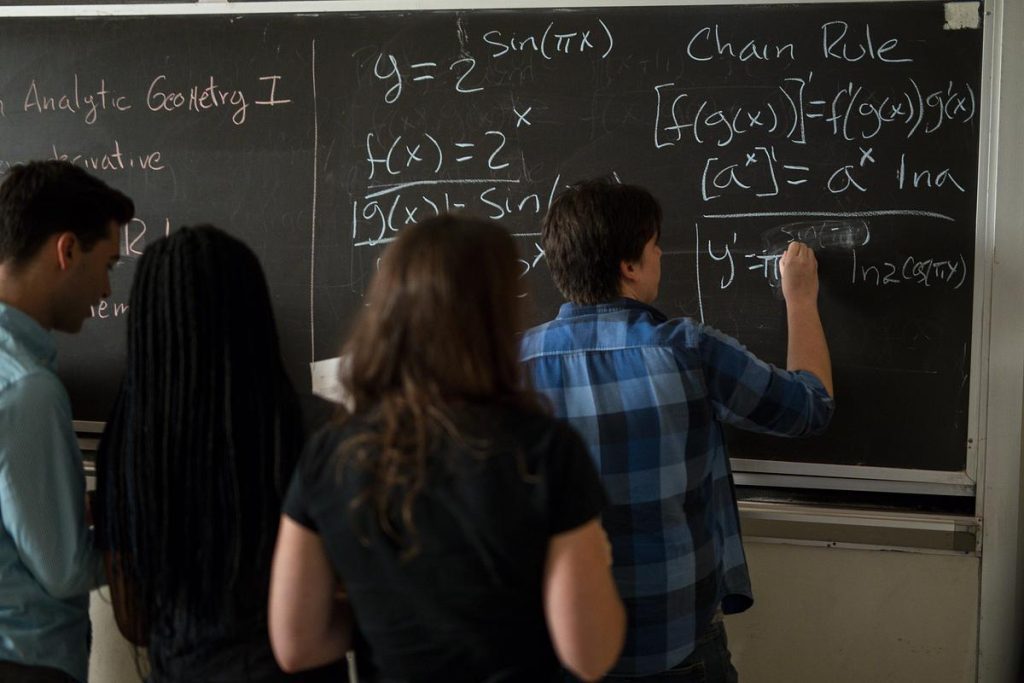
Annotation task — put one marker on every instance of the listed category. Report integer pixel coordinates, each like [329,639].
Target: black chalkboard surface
[316,138]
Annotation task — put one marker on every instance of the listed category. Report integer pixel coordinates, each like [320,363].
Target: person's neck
[627,292]
[18,290]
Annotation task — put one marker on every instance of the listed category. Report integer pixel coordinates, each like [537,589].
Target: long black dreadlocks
[204,436]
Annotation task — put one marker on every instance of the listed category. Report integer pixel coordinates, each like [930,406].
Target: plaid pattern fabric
[648,396]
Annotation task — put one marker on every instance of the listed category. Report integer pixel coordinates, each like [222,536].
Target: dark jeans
[709,663]
[10,672]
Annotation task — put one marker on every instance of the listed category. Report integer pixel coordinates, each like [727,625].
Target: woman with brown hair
[459,520]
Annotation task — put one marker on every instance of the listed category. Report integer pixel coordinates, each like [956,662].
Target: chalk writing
[426,152]
[387,209]
[757,138]
[840,41]
[319,139]
[707,43]
[89,104]
[196,98]
[463,71]
[107,309]
[112,159]
[162,96]
[914,270]
[759,173]
[925,178]
[135,235]
[552,42]
[853,112]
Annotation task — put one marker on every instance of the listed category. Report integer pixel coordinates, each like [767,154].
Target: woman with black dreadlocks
[461,519]
[194,463]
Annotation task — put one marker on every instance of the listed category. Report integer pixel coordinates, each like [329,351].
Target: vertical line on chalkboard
[312,238]
[696,252]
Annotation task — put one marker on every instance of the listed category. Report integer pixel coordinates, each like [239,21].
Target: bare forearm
[308,626]
[606,626]
[807,348]
[309,649]
[584,612]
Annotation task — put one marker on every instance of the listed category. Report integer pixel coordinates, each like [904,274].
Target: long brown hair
[439,333]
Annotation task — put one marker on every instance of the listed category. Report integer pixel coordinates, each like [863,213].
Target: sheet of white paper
[325,380]
[960,15]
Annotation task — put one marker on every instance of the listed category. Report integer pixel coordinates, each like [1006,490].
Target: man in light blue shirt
[59,236]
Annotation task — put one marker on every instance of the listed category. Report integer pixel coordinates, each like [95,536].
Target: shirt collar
[571,310]
[22,329]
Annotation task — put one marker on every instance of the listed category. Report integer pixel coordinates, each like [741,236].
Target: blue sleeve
[753,395]
[42,488]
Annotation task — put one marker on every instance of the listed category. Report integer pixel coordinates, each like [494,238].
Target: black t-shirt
[467,606]
[230,651]
[235,648]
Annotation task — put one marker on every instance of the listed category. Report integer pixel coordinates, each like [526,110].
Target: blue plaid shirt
[648,396]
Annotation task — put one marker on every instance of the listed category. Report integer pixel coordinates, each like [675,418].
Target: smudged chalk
[826,234]
[842,234]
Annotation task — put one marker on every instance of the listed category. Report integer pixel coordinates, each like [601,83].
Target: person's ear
[627,270]
[66,246]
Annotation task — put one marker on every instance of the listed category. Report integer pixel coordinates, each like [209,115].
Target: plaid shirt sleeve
[750,394]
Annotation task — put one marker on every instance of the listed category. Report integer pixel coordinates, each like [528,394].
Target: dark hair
[43,198]
[590,229]
[205,433]
[439,333]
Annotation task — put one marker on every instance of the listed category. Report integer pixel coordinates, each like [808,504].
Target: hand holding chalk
[798,269]
[843,235]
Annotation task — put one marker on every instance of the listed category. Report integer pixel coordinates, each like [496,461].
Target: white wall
[820,615]
[113,657]
[856,616]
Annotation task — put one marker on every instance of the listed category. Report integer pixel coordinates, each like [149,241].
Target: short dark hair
[590,229]
[42,198]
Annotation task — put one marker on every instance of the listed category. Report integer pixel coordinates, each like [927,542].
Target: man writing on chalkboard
[649,396]
[59,237]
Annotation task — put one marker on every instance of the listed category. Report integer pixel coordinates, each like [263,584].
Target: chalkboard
[316,138]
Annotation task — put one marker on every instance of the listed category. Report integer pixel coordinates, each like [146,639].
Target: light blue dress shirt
[47,561]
